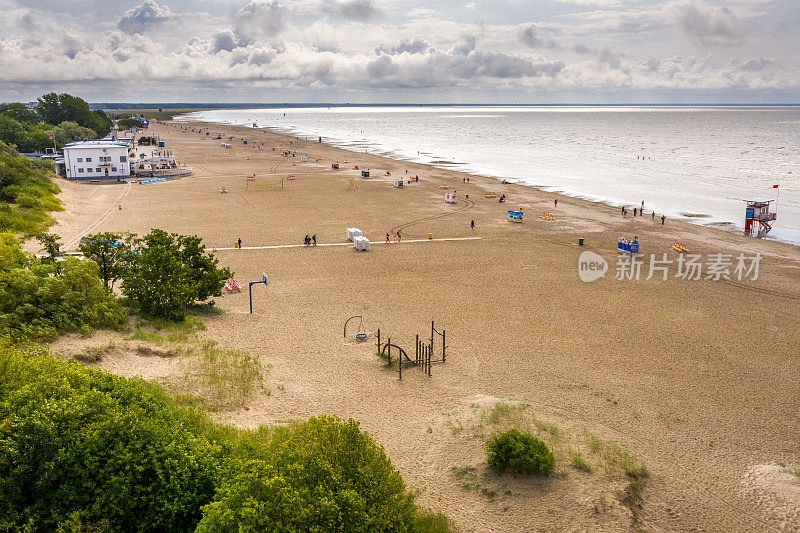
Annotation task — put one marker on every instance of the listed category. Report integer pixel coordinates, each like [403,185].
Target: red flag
[774,186]
[51,138]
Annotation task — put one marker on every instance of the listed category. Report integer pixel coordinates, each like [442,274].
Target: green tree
[57,108]
[128,123]
[26,192]
[109,251]
[19,112]
[51,243]
[208,278]
[68,131]
[12,132]
[166,273]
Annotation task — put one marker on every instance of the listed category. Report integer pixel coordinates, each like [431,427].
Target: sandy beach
[697,380]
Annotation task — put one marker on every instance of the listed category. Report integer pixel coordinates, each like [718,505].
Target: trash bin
[580,241]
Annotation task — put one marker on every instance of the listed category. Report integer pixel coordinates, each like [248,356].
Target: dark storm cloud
[145,16]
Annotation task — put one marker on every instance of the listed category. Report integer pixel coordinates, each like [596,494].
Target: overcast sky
[481,51]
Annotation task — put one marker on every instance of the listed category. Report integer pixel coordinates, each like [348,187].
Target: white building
[96,159]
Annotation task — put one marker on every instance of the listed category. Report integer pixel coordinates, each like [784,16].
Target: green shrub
[81,449]
[520,453]
[40,300]
[97,451]
[26,193]
[325,475]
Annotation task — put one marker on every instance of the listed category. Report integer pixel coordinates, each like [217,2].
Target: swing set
[361,333]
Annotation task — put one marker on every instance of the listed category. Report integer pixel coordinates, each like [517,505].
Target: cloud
[356,10]
[259,19]
[223,40]
[146,15]
[413,46]
[710,25]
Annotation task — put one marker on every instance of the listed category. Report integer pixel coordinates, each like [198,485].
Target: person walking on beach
[472,224]
[634,212]
[314,238]
[653,216]
[641,211]
[555,202]
[239,243]
[662,219]
[307,240]
[387,237]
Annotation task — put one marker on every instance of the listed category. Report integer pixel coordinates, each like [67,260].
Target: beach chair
[231,285]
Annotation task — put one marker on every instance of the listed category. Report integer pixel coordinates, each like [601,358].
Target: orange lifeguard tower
[757,218]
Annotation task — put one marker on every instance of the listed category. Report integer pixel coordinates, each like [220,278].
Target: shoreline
[505,182]
[700,219]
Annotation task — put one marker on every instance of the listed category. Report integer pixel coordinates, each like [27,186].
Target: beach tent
[450,197]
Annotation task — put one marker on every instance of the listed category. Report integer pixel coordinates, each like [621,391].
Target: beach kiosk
[398,183]
[515,216]
[450,197]
[757,218]
[365,173]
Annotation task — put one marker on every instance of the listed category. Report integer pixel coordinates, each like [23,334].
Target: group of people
[310,241]
[640,212]
[397,236]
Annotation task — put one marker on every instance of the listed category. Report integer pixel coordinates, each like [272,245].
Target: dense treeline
[84,450]
[63,117]
[26,193]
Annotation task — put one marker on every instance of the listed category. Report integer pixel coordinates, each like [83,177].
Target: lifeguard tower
[757,218]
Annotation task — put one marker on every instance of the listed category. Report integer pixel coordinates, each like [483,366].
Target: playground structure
[515,216]
[450,197]
[251,181]
[264,280]
[361,333]
[423,352]
[365,173]
[627,246]
[351,184]
[757,218]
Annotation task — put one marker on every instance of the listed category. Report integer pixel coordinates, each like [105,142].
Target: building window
[99,169]
[88,159]
[123,159]
[80,171]
[113,169]
[80,160]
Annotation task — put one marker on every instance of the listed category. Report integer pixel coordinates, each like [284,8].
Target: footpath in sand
[697,380]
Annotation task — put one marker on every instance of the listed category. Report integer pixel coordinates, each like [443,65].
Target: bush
[96,451]
[81,449]
[26,193]
[326,475]
[42,300]
[519,452]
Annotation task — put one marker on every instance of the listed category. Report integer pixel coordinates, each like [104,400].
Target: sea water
[694,163]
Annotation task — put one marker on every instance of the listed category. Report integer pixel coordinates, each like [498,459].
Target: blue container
[245,142]
[161,144]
